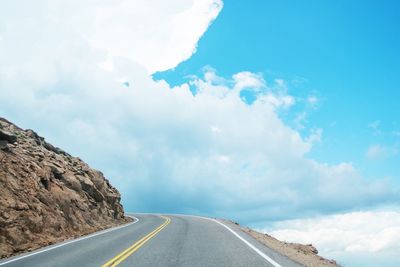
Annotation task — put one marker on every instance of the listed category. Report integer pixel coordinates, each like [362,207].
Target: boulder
[5,136]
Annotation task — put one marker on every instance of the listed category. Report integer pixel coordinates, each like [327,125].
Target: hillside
[306,255]
[47,195]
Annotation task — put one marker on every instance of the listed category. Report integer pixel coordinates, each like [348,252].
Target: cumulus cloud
[156,34]
[195,148]
[367,238]
[247,79]
[168,30]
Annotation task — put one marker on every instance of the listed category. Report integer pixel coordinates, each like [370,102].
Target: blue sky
[281,115]
[345,52]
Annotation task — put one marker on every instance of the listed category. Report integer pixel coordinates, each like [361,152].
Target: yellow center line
[129,251]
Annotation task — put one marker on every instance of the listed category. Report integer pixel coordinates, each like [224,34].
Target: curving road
[156,240]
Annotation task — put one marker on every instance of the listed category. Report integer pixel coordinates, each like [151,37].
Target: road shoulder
[306,255]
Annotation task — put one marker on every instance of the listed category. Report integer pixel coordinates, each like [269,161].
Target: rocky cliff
[47,195]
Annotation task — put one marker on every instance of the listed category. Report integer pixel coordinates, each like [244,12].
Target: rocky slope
[306,255]
[46,195]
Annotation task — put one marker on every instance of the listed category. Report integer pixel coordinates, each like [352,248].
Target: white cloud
[156,34]
[210,76]
[166,149]
[312,100]
[215,129]
[368,238]
[279,101]
[280,82]
[375,127]
[380,152]
[300,120]
[315,136]
[247,79]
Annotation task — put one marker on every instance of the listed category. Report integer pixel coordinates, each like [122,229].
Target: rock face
[46,195]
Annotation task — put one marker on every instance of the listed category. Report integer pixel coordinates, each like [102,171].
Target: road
[157,240]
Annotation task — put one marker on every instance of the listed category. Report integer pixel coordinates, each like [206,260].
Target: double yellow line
[129,251]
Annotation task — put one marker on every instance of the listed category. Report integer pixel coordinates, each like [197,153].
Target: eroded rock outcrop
[46,195]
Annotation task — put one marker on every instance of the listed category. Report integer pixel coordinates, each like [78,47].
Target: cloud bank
[368,238]
[155,34]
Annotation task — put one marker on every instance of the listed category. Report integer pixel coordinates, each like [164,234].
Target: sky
[345,53]
[280,115]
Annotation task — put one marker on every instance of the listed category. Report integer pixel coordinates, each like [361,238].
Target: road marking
[72,241]
[259,252]
[129,251]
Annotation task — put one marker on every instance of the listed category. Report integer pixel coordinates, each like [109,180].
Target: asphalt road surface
[158,240]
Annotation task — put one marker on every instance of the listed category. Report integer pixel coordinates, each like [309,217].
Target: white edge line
[72,241]
[259,252]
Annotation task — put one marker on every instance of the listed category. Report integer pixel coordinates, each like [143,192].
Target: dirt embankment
[306,255]
[47,196]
